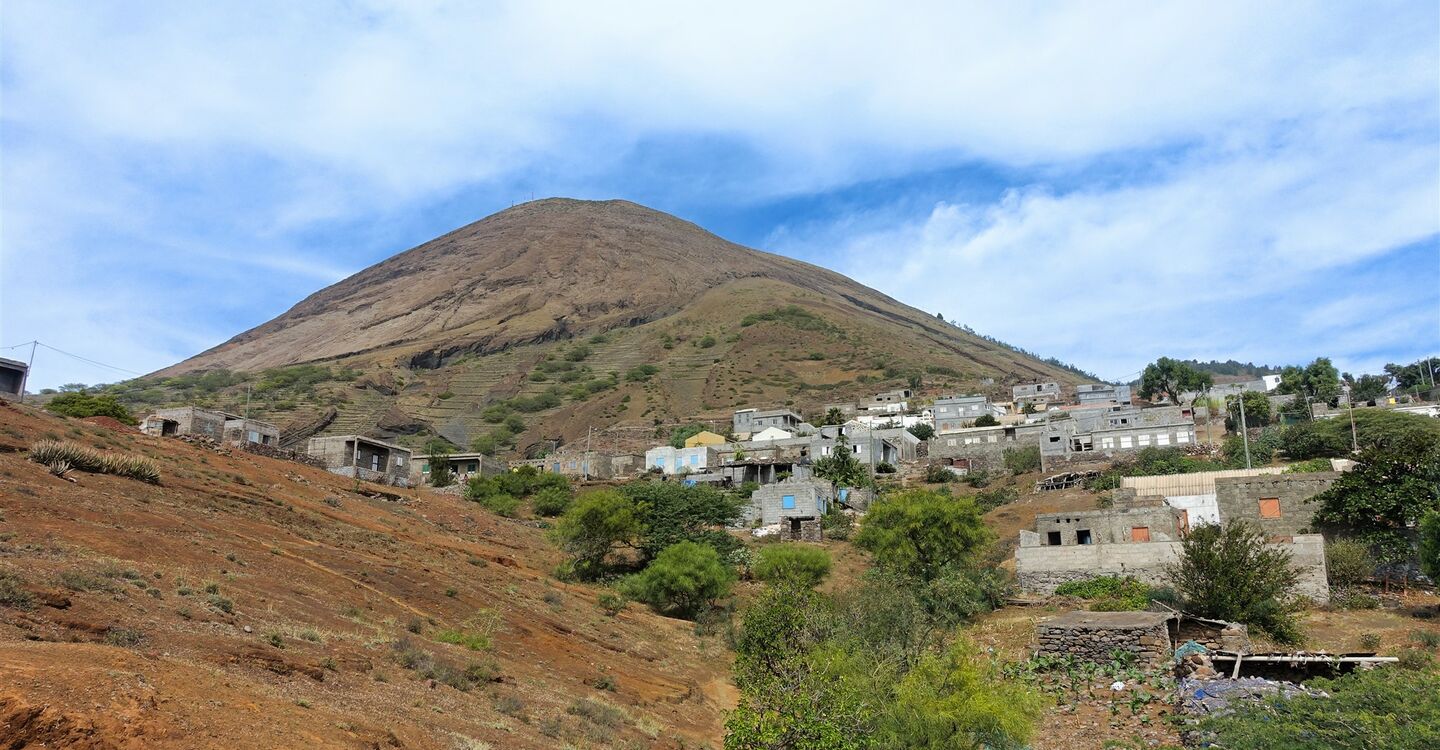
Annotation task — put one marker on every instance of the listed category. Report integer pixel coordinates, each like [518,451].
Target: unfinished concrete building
[747,422]
[1277,503]
[953,413]
[463,466]
[1037,394]
[363,458]
[787,501]
[12,378]
[1102,393]
[1110,526]
[209,423]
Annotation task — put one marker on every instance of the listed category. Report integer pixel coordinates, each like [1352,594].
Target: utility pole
[1244,429]
[1354,441]
[26,377]
[247,400]
[586,468]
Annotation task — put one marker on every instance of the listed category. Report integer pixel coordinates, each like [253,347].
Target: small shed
[1096,636]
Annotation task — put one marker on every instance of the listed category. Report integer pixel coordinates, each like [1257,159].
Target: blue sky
[1101,182]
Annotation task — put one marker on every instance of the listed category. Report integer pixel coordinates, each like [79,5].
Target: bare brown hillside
[247,602]
[471,318]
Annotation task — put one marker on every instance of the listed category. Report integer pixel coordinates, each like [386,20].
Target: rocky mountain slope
[659,320]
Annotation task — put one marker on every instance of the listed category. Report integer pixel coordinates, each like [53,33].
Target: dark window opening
[1082,536]
[1053,539]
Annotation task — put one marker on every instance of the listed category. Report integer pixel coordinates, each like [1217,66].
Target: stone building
[790,499]
[12,378]
[1096,636]
[1111,526]
[1277,503]
[363,458]
[462,466]
[209,423]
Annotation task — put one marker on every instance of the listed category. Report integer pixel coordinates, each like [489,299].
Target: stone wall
[270,451]
[1239,497]
[1096,636]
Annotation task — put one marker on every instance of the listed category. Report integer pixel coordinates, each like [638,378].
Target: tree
[679,435]
[1230,573]
[1257,410]
[793,565]
[986,420]
[922,431]
[682,580]
[955,699]
[914,380]
[438,451]
[485,445]
[673,513]
[841,468]
[1317,381]
[834,416]
[551,501]
[1430,544]
[1396,482]
[594,526]
[922,534]
[1418,375]
[1308,440]
[79,404]
[1366,387]
[1170,377]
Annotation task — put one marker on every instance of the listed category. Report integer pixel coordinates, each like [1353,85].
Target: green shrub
[501,503]
[706,342]
[1309,467]
[1230,573]
[1109,593]
[992,499]
[551,501]
[87,405]
[595,525]
[641,373]
[472,641]
[1022,460]
[920,533]
[13,592]
[1348,562]
[683,579]
[793,565]
[986,420]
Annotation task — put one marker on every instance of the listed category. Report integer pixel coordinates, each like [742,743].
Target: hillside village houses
[209,423]
[363,457]
[1037,394]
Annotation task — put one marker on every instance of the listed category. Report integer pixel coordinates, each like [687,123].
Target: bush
[86,405]
[1348,562]
[1305,441]
[13,592]
[593,526]
[992,499]
[641,373]
[1022,460]
[793,565]
[1230,573]
[1109,593]
[1309,467]
[1430,544]
[1395,709]
[986,420]
[551,501]
[501,504]
[939,474]
[681,580]
[884,467]
[922,431]
[920,533]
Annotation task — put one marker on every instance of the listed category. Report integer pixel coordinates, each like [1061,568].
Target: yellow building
[704,437]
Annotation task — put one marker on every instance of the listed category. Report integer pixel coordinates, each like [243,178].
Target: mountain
[626,315]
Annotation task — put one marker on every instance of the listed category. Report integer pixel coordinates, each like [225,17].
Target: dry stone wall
[1096,636]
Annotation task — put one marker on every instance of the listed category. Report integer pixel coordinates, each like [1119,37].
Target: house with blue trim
[792,498]
[671,460]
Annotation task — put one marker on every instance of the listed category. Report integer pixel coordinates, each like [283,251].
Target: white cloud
[186,144]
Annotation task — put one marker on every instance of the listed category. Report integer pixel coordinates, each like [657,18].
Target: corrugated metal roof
[1199,483]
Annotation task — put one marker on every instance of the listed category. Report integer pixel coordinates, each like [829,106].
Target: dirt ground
[247,602]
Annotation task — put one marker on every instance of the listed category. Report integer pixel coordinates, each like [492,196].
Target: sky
[1105,183]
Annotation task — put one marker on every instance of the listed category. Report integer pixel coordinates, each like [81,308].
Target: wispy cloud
[227,159]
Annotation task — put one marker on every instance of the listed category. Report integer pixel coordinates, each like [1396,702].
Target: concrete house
[770,434]
[1035,393]
[790,499]
[704,437]
[1193,495]
[952,413]
[747,422]
[889,402]
[216,425]
[12,378]
[462,466]
[1103,393]
[1109,526]
[1109,430]
[681,460]
[363,458]
[1274,502]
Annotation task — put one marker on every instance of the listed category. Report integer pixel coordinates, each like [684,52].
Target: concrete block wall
[1239,498]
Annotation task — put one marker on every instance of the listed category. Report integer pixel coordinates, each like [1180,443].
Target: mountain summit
[482,315]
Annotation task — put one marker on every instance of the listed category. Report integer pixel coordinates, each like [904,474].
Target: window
[1269,507]
[1053,538]
[1108,442]
[1140,533]
[1144,440]
[1082,536]
[694,460]
[787,502]
[1162,439]
[951,442]
[425,468]
[1182,437]
[253,436]
[1126,441]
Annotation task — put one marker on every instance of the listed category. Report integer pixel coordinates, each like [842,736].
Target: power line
[75,356]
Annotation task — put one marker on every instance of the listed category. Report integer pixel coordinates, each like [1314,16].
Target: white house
[770,433]
[681,460]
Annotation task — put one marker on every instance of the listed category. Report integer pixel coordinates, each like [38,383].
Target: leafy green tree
[679,435]
[1307,440]
[682,580]
[793,565]
[1230,573]
[1389,709]
[1396,482]
[1257,410]
[1171,377]
[1366,387]
[955,699]
[80,404]
[438,451]
[1430,544]
[986,420]
[1317,381]
[922,534]
[485,445]
[914,380]
[834,416]
[1415,375]
[841,468]
[596,525]
[673,513]
[551,501]
[922,431]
